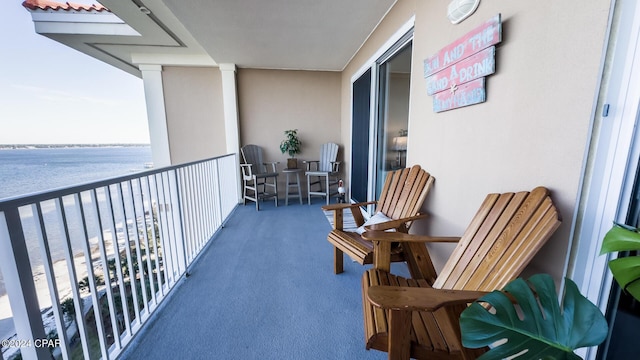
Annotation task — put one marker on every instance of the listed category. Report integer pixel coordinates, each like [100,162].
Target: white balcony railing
[84,267]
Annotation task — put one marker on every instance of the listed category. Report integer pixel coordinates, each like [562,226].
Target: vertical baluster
[162,230]
[175,222]
[206,215]
[215,193]
[105,265]
[197,209]
[127,249]
[111,218]
[168,240]
[181,223]
[208,186]
[213,212]
[150,241]
[91,276]
[195,224]
[136,216]
[105,270]
[173,233]
[219,181]
[186,213]
[61,216]
[204,195]
[157,233]
[195,241]
[234,180]
[206,223]
[18,277]
[45,253]
[224,177]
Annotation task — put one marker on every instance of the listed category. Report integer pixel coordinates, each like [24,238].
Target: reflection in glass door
[361,120]
[394,75]
[623,312]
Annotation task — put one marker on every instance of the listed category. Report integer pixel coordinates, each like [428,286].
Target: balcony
[203,278]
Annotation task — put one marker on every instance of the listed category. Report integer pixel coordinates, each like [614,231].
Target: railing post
[18,278]
[220,200]
[182,223]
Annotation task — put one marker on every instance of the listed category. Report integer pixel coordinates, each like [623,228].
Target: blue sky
[53,94]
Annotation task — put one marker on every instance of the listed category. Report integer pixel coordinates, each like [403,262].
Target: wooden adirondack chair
[259,182]
[402,196]
[414,318]
[325,172]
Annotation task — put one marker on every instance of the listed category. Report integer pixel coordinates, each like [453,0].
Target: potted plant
[532,321]
[291,145]
[624,269]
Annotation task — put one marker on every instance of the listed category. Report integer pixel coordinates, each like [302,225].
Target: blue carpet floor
[263,289]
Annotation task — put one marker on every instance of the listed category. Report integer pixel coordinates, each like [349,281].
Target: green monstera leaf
[540,329]
[626,270]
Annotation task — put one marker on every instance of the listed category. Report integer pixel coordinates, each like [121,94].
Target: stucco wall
[195,113]
[272,101]
[531,131]
[397,16]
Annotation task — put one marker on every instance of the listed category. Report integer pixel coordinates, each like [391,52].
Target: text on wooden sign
[467,94]
[480,38]
[471,68]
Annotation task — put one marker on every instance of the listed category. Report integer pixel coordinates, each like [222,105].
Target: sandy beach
[63,283]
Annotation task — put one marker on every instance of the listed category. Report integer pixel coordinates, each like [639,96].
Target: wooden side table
[292,185]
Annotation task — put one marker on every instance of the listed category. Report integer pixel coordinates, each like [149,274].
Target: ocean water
[27,171]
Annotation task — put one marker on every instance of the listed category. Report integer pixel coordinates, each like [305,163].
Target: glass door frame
[611,159]
[395,43]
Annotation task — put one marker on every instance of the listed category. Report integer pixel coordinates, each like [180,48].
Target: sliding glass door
[394,75]
[380,119]
[361,117]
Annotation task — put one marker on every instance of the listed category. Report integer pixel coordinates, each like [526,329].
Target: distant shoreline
[64,146]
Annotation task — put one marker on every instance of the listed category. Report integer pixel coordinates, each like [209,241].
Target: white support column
[231,118]
[156,114]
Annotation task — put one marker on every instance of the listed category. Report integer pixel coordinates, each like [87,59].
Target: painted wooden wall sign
[469,93]
[471,68]
[452,73]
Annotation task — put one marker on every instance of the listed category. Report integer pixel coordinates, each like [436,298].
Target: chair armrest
[394,224]
[273,165]
[246,170]
[335,166]
[333,207]
[309,162]
[402,237]
[419,299]
[338,210]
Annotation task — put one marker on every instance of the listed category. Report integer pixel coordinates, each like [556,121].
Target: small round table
[292,185]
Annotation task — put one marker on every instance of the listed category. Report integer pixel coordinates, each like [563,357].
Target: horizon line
[58,144]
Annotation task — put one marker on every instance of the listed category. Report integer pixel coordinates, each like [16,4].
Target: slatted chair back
[328,156]
[404,192]
[505,234]
[252,154]
[402,195]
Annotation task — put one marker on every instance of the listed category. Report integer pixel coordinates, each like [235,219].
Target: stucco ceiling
[281,34]
[273,34]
